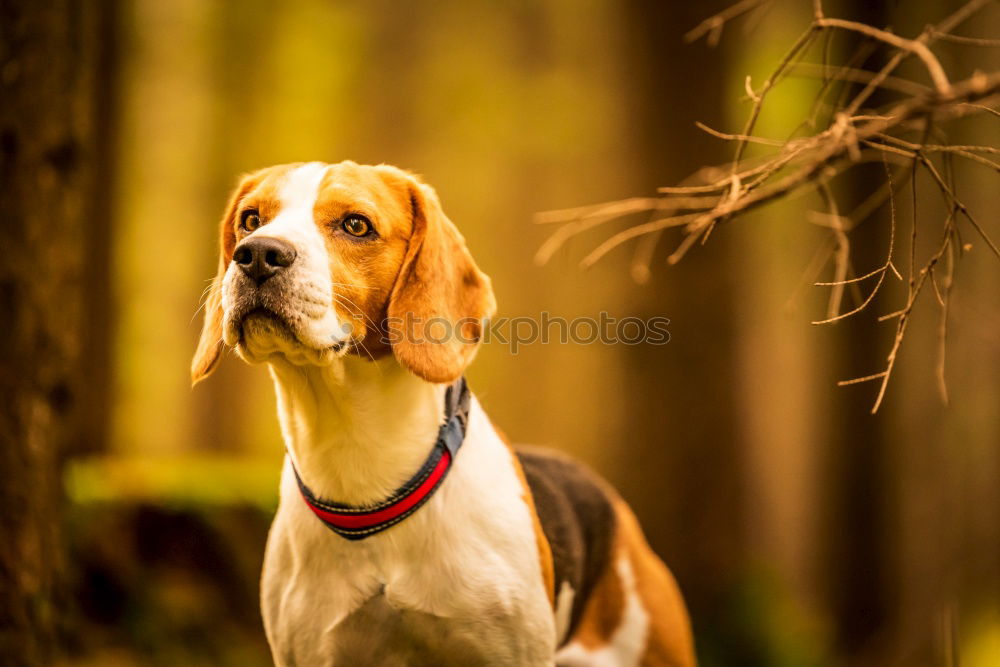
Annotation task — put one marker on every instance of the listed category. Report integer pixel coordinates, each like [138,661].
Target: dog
[408,531]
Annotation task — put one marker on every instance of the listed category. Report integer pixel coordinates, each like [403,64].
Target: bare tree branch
[804,165]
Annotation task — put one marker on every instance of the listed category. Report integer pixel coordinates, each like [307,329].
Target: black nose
[261,257]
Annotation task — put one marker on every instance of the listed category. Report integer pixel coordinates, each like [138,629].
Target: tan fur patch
[441,299]
[544,549]
[363,280]
[604,610]
[669,641]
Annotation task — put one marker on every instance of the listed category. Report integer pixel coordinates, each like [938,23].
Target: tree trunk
[856,545]
[48,137]
[680,425]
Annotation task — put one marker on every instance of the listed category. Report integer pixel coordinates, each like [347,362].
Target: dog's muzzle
[270,303]
[260,284]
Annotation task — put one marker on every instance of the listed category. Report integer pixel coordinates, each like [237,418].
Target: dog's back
[615,599]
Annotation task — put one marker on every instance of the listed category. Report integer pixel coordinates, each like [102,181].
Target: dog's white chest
[458,582]
[381,632]
[311,626]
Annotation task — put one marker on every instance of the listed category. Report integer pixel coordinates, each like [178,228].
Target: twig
[968,41]
[914,46]
[842,254]
[713,24]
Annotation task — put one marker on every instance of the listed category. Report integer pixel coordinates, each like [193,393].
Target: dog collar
[357,523]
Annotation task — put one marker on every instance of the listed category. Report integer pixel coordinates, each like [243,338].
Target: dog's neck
[356,429]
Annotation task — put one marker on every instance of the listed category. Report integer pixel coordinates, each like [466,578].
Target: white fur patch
[627,644]
[564,610]
[301,187]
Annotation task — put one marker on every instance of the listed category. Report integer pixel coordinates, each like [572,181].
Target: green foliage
[184,481]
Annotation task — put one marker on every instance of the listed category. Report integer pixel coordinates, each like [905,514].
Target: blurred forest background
[802,529]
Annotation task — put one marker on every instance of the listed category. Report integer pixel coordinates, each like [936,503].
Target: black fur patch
[577,518]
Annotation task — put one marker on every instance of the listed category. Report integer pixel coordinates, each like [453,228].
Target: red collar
[357,523]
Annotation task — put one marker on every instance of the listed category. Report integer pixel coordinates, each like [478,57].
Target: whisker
[350,304]
[370,355]
[203,299]
[335,284]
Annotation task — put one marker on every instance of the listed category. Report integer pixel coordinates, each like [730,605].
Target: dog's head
[320,261]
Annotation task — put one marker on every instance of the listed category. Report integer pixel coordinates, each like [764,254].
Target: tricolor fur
[519,558]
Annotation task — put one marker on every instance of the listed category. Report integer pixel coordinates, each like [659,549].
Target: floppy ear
[209,351]
[439,304]
[210,345]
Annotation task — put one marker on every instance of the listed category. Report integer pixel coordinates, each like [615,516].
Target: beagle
[408,531]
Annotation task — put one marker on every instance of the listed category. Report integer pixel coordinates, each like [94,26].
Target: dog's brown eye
[357,225]
[250,220]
